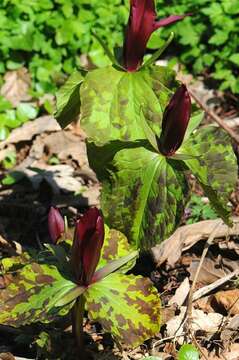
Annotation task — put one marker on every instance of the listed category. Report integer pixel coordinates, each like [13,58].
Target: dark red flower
[87,244]
[175,121]
[55,224]
[141,24]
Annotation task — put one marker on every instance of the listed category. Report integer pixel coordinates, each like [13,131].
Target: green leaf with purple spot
[143,193]
[115,246]
[127,306]
[215,166]
[31,295]
[113,102]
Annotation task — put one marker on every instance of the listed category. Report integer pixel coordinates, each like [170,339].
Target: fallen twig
[191,292]
[207,289]
[158,342]
[205,250]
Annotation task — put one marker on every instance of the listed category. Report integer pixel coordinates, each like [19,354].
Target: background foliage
[48,36]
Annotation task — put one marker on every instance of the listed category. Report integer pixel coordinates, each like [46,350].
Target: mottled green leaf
[127,306]
[71,295]
[194,122]
[113,100]
[13,263]
[68,99]
[215,166]
[32,294]
[143,195]
[115,246]
[115,265]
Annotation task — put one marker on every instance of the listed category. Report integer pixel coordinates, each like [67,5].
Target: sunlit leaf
[126,306]
[115,246]
[32,294]
[113,101]
[68,99]
[215,166]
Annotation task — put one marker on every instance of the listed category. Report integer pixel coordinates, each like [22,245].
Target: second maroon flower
[87,244]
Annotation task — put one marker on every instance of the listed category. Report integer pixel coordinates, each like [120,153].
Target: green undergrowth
[49,36]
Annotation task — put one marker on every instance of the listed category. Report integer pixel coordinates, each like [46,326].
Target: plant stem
[157,53]
[77,324]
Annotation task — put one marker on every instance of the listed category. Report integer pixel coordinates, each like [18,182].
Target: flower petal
[169,20]
[175,121]
[87,244]
[55,224]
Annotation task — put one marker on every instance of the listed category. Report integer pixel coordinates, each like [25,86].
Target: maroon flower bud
[55,224]
[141,24]
[175,121]
[87,244]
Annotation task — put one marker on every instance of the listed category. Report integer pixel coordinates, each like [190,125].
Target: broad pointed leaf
[68,99]
[194,122]
[127,306]
[115,265]
[32,294]
[215,166]
[115,247]
[112,102]
[143,194]
[71,295]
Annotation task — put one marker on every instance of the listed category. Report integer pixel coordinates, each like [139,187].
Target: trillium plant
[86,273]
[144,136]
[143,139]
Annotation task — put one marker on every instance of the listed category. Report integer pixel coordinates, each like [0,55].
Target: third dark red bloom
[141,24]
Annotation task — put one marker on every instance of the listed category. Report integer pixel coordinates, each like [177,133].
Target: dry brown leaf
[181,293]
[208,323]
[30,129]
[170,349]
[59,177]
[231,329]
[161,355]
[231,244]
[10,247]
[232,353]
[6,356]
[16,86]
[210,355]
[186,236]
[209,272]
[204,304]
[228,300]
[66,145]
[167,313]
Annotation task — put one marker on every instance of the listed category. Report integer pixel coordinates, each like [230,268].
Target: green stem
[107,51]
[77,324]
[156,55]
